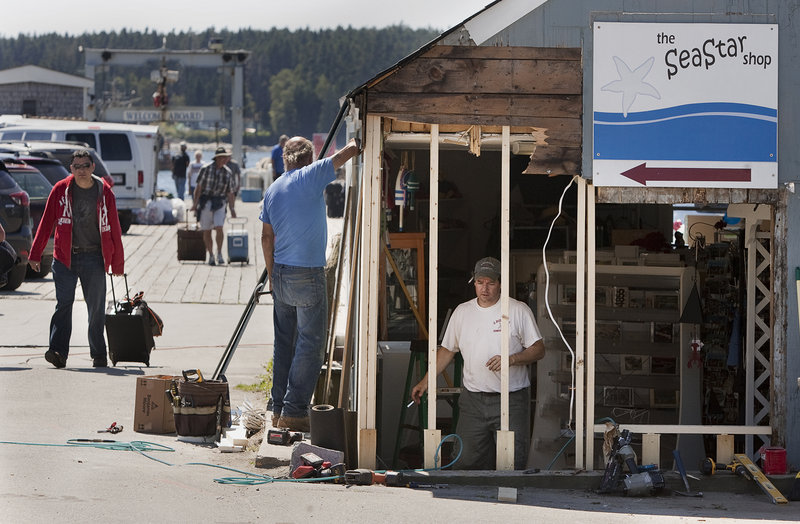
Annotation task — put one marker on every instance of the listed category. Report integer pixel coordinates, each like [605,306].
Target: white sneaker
[220,260]
[211,260]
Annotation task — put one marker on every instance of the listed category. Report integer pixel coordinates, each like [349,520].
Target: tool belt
[201,407]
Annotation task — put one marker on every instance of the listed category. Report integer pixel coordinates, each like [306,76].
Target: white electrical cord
[547,301]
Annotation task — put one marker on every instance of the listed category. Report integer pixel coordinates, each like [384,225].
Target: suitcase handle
[114,295]
[237,220]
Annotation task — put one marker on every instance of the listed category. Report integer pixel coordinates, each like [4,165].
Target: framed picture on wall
[635,365]
[664,398]
[663,365]
[617,397]
[664,332]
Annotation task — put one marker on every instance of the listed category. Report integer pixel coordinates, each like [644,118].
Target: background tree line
[293,79]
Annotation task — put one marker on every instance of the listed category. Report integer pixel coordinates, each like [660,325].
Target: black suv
[15,215]
[33,182]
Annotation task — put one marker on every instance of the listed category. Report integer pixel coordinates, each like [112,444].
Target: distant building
[35,91]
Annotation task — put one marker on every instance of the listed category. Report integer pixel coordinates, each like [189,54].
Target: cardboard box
[153,411]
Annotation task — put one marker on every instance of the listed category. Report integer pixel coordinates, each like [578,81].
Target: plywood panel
[498,105]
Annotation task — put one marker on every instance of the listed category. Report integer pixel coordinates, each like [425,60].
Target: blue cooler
[250,195]
[238,250]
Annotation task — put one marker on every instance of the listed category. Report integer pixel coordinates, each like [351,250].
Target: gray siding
[51,100]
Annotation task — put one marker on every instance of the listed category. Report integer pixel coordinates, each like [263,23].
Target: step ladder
[417,367]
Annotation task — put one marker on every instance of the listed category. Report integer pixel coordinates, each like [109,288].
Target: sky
[164,16]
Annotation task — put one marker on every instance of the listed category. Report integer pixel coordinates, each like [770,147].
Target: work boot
[295,423]
[275,419]
[57,359]
[99,363]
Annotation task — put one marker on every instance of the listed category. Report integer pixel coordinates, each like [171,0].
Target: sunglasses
[81,166]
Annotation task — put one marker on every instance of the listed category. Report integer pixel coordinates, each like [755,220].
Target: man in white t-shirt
[474,330]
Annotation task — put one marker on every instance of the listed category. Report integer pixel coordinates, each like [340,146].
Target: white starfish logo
[631,83]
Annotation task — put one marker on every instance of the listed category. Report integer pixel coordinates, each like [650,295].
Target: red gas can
[773,460]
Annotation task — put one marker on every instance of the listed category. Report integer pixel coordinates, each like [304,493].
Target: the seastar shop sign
[685,105]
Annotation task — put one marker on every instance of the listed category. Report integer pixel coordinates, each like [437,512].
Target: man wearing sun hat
[474,331]
[215,185]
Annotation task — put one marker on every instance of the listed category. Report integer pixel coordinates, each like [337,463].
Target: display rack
[638,341]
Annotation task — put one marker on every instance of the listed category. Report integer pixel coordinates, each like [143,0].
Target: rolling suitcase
[190,243]
[129,331]
[237,241]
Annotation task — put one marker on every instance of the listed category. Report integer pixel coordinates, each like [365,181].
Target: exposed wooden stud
[432,436]
[587,263]
[367,332]
[580,342]
[651,449]
[505,437]
[724,449]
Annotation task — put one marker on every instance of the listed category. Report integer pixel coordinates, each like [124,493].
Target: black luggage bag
[190,243]
[128,329]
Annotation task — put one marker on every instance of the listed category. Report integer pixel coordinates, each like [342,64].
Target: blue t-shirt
[277,160]
[295,207]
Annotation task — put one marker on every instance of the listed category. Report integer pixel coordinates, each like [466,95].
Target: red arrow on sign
[644,174]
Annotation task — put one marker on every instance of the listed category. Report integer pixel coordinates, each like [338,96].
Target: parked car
[38,189]
[15,215]
[61,151]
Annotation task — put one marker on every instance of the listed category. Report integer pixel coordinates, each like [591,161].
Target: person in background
[293,239]
[194,171]
[214,187]
[180,163]
[88,244]
[474,330]
[277,158]
[236,171]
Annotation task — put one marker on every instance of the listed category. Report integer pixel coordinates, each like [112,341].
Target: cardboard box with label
[153,411]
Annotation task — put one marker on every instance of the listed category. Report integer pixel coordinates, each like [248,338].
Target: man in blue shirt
[277,158]
[293,239]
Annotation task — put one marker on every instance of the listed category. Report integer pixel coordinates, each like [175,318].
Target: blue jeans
[88,267]
[180,186]
[300,315]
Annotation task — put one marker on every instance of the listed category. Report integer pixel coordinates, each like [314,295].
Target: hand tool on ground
[367,477]
[283,437]
[766,486]
[709,467]
[314,466]
[113,429]
[682,470]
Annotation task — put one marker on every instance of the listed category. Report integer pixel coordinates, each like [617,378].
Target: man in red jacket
[88,243]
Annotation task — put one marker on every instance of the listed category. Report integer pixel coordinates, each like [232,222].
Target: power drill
[709,467]
[367,477]
[283,437]
[315,467]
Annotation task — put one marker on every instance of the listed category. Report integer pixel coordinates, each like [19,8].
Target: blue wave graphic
[714,131]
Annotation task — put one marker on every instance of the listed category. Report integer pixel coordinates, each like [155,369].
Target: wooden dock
[152,266]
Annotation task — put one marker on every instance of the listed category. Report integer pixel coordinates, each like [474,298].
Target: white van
[129,151]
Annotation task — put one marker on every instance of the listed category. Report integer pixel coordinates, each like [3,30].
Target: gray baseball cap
[487,267]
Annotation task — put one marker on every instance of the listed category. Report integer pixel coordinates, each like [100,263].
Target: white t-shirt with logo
[475,332]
